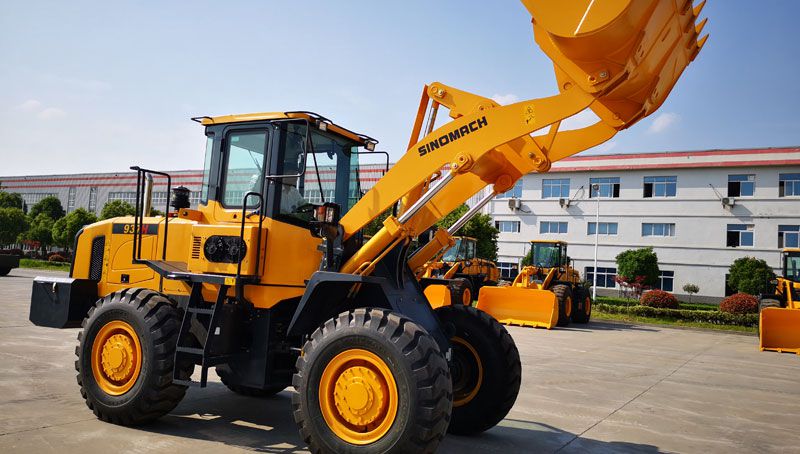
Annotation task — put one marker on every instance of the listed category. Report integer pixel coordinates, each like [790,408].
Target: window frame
[223,170]
[600,230]
[615,187]
[551,183]
[518,225]
[661,181]
[550,224]
[670,277]
[792,231]
[783,178]
[747,228]
[604,272]
[736,181]
[668,229]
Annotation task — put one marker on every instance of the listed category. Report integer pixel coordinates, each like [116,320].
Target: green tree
[528,259]
[65,229]
[40,231]
[750,275]
[116,208]
[12,223]
[691,289]
[10,200]
[50,206]
[638,266]
[479,227]
[374,225]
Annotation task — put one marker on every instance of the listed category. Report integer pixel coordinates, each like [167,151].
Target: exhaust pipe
[148,196]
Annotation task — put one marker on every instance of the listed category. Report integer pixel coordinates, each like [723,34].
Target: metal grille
[96,260]
[197,246]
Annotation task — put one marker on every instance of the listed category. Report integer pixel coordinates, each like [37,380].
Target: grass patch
[597,315]
[43,265]
[614,301]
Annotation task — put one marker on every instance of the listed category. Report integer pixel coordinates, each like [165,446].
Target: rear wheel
[4,271]
[564,298]
[371,380]
[581,305]
[126,357]
[463,293]
[485,367]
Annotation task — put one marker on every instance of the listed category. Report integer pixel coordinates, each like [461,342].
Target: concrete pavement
[604,387]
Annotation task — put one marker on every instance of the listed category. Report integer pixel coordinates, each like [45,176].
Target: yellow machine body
[780,326]
[529,301]
[458,262]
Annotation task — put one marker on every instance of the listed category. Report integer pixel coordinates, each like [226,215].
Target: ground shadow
[608,326]
[267,425]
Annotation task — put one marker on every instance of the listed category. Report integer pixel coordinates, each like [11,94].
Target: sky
[100,86]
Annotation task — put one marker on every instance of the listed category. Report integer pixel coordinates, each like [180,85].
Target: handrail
[239,257]
[138,214]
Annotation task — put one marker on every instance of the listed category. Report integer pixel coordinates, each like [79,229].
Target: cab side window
[244,167]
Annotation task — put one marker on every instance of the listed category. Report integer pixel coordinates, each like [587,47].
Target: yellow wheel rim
[466,297]
[358,396]
[568,306]
[464,392]
[116,357]
[587,306]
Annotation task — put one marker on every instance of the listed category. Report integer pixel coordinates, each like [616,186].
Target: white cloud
[580,120]
[663,122]
[50,113]
[505,99]
[30,105]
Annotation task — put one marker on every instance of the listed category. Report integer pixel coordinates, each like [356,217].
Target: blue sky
[97,86]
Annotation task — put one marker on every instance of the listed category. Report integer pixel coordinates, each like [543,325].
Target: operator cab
[791,264]
[463,250]
[298,162]
[549,254]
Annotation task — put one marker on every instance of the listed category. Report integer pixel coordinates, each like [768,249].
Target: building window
[507,226]
[552,227]
[558,189]
[660,186]
[658,229]
[740,235]
[92,199]
[788,236]
[313,195]
[607,187]
[508,270]
[605,276]
[789,184]
[129,197]
[515,192]
[606,228]
[160,199]
[194,198]
[32,199]
[71,199]
[741,185]
[728,289]
[666,280]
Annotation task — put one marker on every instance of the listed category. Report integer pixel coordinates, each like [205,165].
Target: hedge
[714,317]
[659,299]
[614,301]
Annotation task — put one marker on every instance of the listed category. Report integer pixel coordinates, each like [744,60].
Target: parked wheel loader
[547,293]
[459,273]
[271,282]
[7,263]
[779,312]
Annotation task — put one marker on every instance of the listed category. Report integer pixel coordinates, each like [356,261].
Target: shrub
[714,317]
[57,258]
[659,299]
[750,275]
[740,303]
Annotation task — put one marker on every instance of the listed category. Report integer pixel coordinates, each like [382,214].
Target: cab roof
[791,249]
[314,118]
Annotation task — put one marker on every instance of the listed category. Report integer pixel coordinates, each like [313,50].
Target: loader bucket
[780,329]
[519,306]
[438,295]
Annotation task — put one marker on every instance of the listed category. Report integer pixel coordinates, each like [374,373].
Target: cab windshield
[546,255]
[792,267]
[462,250]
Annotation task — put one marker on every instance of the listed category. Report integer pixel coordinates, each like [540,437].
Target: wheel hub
[359,396]
[116,357]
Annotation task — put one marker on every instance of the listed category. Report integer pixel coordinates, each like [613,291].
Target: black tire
[484,393]
[581,305]
[156,322]
[248,390]
[564,300]
[4,271]
[416,365]
[462,290]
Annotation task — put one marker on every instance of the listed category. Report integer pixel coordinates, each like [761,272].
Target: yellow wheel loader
[271,282]
[459,273]
[547,293]
[779,312]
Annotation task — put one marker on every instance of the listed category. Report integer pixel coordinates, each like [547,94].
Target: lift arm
[618,58]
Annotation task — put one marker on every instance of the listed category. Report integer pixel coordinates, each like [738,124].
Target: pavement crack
[636,397]
[45,427]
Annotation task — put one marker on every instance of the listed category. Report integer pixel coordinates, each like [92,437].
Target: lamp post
[596,188]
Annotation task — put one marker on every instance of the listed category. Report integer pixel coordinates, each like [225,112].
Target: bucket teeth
[702,41]
[699,27]
[699,8]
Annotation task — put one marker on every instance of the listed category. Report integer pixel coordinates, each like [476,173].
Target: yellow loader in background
[466,272]
[547,293]
[779,313]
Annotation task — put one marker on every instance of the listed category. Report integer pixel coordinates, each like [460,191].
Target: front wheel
[485,367]
[125,357]
[462,292]
[370,381]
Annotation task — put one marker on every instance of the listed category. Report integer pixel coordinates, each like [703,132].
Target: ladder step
[190,350]
[200,310]
[186,382]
